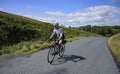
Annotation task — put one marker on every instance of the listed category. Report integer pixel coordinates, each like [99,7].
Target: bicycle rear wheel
[61,50]
[51,54]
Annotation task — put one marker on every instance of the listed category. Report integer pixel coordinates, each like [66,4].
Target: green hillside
[114,44]
[15,29]
[18,32]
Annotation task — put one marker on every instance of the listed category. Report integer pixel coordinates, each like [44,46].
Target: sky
[73,13]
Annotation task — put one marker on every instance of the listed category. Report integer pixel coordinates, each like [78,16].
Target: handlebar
[54,40]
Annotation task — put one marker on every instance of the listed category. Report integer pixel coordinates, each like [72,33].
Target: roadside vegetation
[114,44]
[101,30]
[21,35]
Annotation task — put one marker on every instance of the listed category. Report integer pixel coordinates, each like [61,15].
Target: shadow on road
[65,58]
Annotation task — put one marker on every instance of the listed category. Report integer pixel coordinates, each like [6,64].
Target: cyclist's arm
[53,33]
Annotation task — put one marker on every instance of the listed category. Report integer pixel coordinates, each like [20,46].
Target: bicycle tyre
[51,55]
[61,51]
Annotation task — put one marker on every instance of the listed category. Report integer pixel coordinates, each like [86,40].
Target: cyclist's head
[56,25]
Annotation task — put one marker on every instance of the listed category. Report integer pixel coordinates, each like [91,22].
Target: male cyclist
[59,32]
[60,35]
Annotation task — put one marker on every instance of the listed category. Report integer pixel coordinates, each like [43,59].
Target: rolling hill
[15,30]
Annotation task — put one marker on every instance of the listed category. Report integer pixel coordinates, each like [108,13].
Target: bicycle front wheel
[51,55]
[61,50]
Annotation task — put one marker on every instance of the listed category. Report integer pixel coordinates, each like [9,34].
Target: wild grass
[29,47]
[114,44]
[24,48]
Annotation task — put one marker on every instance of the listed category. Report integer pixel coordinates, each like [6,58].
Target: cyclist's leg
[60,42]
[56,48]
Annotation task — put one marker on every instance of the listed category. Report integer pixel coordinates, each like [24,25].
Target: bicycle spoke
[51,55]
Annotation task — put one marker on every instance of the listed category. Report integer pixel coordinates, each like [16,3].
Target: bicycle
[55,48]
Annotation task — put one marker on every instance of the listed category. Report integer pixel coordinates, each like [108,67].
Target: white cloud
[1,9]
[56,13]
[97,15]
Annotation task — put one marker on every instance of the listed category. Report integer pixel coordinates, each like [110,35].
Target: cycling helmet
[56,24]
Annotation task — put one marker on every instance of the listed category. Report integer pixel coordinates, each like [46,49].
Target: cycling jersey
[59,32]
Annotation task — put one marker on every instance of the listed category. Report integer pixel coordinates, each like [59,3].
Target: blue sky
[67,12]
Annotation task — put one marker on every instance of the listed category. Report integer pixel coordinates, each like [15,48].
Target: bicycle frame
[60,50]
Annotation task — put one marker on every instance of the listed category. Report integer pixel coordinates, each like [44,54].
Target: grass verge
[29,47]
[114,45]
[24,48]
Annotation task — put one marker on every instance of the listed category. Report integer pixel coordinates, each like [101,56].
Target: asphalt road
[85,56]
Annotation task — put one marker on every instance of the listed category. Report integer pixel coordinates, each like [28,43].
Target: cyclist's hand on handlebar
[48,40]
[57,41]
